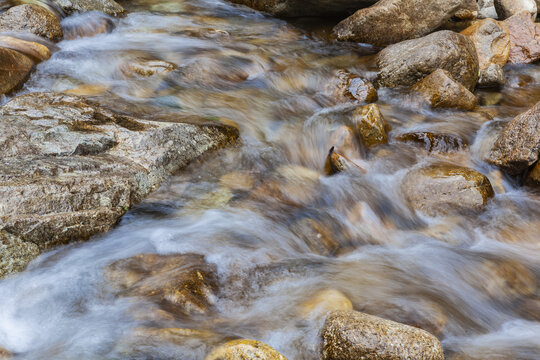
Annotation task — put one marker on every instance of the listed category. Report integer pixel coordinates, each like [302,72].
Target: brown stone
[344,141]
[318,237]
[440,90]
[33,50]
[32,18]
[518,145]
[185,283]
[371,125]
[336,163]
[391,21]
[507,279]
[524,39]
[238,180]
[446,189]
[352,335]
[492,41]
[5,354]
[243,350]
[407,62]
[347,86]
[433,141]
[14,69]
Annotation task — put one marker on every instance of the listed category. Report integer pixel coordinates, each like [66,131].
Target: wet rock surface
[524,39]
[15,69]
[185,284]
[352,335]
[32,18]
[518,145]
[433,141]
[444,189]
[440,90]
[35,51]
[371,125]
[71,168]
[492,41]
[391,21]
[405,63]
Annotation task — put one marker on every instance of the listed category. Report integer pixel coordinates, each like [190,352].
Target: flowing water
[471,280]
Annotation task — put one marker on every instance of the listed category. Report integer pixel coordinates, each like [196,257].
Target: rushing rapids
[272,230]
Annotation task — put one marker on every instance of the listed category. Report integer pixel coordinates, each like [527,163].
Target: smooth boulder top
[244,349]
[109,7]
[407,62]
[352,335]
[391,21]
[301,8]
[518,145]
[508,8]
[32,18]
[71,168]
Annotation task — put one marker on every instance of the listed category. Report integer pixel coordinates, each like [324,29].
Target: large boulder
[391,21]
[492,41]
[32,18]
[15,69]
[508,8]
[244,349]
[518,145]
[486,9]
[443,189]
[524,39]
[440,90]
[71,168]
[109,7]
[407,62]
[299,8]
[33,50]
[352,335]
[184,284]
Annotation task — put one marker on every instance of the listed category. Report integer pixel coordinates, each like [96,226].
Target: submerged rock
[391,21]
[336,163]
[5,354]
[352,335]
[86,25]
[325,301]
[439,90]
[407,62]
[15,69]
[347,86]
[318,237]
[433,141]
[446,189]
[492,41]
[524,39]
[518,145]
[371,125]
[298,8]
[508,8]
[184,283]
[141,68]
[32,18]
[109,7]
[244,349]
[15,254]
[70,168]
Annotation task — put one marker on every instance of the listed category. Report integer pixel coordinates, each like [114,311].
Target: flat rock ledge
[71,168]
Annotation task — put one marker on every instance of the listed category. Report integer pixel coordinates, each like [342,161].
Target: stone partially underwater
[70,168]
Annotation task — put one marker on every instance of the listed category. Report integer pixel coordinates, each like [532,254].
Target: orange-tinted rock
[14,69]
[533,178]
[524,39]
[87,25]
[33,50]
[243,350]
[371,125]
[440,90]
